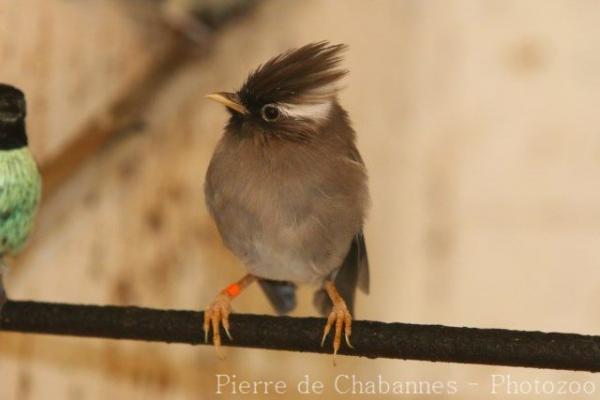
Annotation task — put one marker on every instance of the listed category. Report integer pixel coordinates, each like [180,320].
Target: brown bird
[287,189]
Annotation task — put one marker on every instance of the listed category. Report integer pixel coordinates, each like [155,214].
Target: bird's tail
[281,295]
[353,273]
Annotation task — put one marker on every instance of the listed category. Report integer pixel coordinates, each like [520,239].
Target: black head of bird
[12,118]
[12,103]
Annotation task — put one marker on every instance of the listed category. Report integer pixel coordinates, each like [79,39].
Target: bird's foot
[340,316]
[217,313]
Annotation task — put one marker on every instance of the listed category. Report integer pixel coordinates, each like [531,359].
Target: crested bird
[287,189]
[20,181]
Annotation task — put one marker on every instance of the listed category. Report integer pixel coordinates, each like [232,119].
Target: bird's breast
[20,191]
[287,219]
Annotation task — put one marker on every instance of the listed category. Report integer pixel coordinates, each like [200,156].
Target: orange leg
[218,311]
[340,316]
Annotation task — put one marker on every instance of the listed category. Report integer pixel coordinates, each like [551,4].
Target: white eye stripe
[314,111]
[323,91]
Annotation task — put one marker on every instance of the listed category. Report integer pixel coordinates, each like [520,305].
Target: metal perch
[370,338]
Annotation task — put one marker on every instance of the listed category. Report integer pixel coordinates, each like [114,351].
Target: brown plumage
[294,74]
[287,186]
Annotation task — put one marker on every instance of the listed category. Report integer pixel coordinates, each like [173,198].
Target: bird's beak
[229,100]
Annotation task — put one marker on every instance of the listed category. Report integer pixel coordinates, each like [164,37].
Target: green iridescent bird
[20,181]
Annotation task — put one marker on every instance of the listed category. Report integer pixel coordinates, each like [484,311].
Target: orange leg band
[233,290]
[236,288]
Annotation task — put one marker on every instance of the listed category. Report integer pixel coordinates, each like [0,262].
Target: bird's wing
[364,280]
[353,273]
[15,216]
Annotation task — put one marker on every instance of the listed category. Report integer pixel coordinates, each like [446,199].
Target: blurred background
[478,122]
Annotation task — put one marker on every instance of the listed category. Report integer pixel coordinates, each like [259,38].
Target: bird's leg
[218,311]
[340,316]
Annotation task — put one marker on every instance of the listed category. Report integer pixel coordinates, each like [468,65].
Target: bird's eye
[270,113]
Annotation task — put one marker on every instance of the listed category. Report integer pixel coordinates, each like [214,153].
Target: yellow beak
[229,100]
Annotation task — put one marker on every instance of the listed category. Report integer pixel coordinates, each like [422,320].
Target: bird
[288,189]
[20,180]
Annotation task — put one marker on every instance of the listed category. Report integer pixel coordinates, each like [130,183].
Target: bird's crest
[305,74]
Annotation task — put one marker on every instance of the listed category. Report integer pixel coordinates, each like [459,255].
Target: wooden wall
[478,123]
[73,58]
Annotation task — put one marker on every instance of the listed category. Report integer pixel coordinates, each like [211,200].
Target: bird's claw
[342,319]
[217,313]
